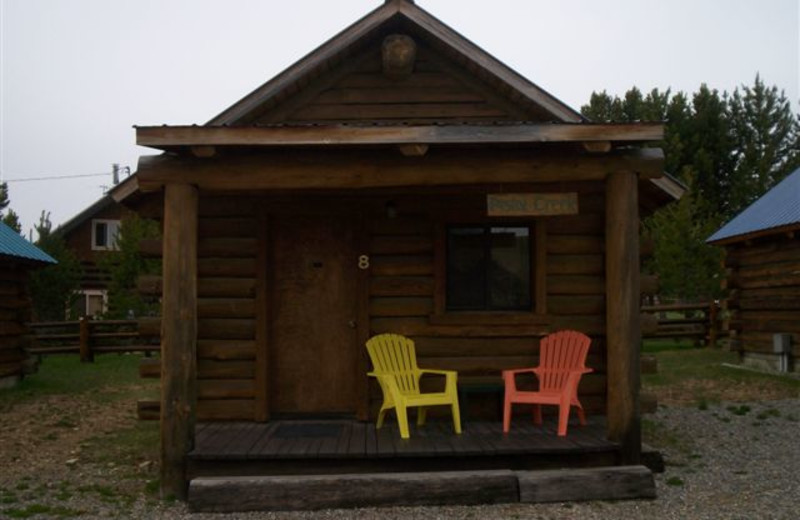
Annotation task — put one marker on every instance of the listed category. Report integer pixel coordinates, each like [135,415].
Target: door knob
[351,324]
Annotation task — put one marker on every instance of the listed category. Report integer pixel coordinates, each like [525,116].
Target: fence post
[87,356]
[712,323]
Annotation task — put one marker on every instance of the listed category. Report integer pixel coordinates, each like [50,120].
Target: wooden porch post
[178,336]
[623,327]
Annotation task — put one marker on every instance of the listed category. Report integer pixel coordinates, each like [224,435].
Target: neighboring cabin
[397,179]
[762,246]
[18,258]
[91,234]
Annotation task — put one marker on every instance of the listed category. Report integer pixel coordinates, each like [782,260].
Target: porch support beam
[298,169]
[623,336]
[178,337]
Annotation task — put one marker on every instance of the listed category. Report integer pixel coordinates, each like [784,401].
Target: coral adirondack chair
[394,362]
[562,362]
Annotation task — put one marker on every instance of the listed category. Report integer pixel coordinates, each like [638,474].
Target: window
[488,268]
[104,234]
[90,302]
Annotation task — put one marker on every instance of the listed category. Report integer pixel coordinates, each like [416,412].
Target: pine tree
[708,148]
[3,196]
[688,268]
[10,218]
[764,131]
[54,288]
[125,265]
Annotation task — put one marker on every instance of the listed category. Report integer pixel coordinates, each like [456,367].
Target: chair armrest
[510,377]
[516,371]
[437,372]
[451,377]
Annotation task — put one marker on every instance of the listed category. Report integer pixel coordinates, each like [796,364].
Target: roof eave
[165,137]
[752,235]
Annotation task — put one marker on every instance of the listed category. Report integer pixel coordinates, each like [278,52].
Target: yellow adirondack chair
[394,363]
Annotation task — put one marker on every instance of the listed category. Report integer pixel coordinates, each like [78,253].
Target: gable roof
[13,245]
[776,211]
[424,26]
[98,206]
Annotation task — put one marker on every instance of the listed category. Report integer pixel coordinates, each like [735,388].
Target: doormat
[288,431]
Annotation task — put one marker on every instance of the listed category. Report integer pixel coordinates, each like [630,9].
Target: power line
[57,177]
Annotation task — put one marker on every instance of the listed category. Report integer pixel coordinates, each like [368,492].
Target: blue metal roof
[12,244]
[779,207]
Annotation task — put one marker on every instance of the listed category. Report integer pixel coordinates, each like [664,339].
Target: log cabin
[92,234]
[18,258]
[762,261]
[396,179]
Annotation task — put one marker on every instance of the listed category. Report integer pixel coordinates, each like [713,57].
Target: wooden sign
[531,204]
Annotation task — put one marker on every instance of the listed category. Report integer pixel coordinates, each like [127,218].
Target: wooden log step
[567,485]
[312,492]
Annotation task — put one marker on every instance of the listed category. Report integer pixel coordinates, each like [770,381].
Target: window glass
[100,234]
[488,268]
[509,269]
[94,304]
[466,268]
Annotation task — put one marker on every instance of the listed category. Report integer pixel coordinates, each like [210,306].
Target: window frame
[112,229]
[538,276]
[85,294]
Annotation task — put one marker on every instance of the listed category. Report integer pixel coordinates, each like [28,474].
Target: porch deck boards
[357,440]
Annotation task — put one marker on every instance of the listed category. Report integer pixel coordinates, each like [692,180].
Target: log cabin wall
[226,310]
[402,285]
[15,311]
[402,288]
[764,279]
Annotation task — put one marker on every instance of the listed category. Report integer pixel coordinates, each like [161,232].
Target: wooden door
[314,355]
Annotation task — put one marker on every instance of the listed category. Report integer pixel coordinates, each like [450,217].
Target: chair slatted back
[559,354]
[395,355]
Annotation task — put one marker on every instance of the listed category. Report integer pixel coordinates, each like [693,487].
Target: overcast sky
[77,74]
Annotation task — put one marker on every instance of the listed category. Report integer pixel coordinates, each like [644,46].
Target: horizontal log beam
[608,483]
[340,135]
[207,410]
[343,170]
[308,492]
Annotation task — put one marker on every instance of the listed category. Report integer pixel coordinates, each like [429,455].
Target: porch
[285,447]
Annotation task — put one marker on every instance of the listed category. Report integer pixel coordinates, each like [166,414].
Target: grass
[693,376]
[109,378]
[674,481]
[652,346]
[128,446]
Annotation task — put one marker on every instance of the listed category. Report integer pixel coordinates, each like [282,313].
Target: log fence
[695,321]
[88,337]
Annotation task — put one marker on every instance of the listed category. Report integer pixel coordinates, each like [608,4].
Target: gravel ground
[725,461]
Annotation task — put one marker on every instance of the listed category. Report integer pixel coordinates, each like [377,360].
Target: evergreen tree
[125,265]
[688,268]
[765,134]
[10,218]
[707,151]
[54,288]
